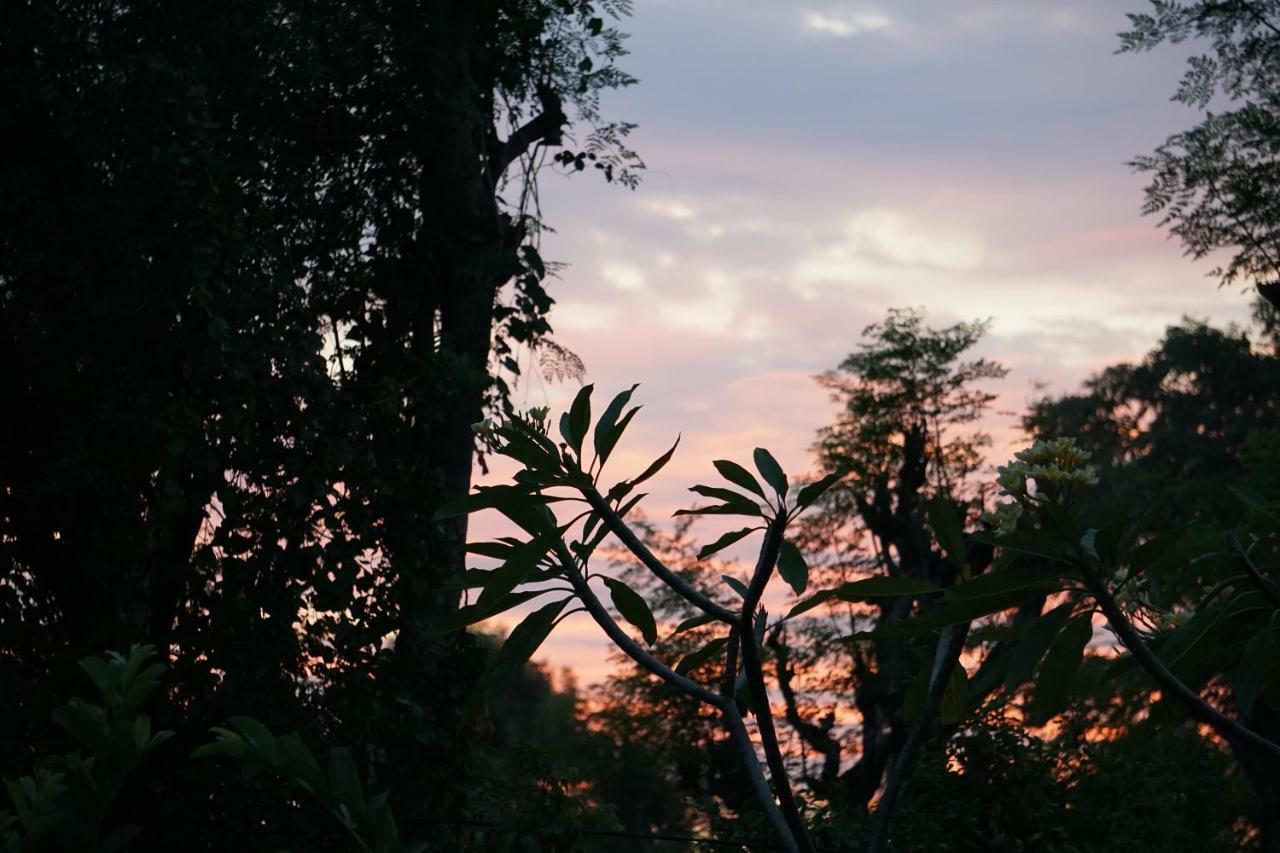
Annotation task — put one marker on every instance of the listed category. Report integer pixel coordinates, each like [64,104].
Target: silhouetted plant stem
[726,706]
[642,553]
[1231,730]
[946,657]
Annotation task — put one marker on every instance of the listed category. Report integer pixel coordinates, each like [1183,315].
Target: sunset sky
[811,166]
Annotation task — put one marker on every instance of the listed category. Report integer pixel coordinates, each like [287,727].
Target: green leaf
[739,476]
[525,639]
[883,586]
[771,471]
[1029,580]
[694,622]
[1025,656]
[816,600]
[725,541]
[1088,543]
[736,585]
[948,529]
[484,497]
[579,420]
[521,563]
[955,697]
[608,428]
[473,613]
[690,662]
[344,779]
[1058,671]
[633,608]
[1034,543]
[792,567]
[815,490]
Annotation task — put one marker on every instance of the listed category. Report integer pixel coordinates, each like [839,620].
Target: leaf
[695,659]
[1088,543]
[521,563]
[948,529]
[750,510]
[739,476]
[955,697]
[771,471]
[657,465]
[883,586]
[1053,681]
[726,495]
[1031,542]
[473,613]
[694,622]
[815,490]
[608,428]
[633,608]
[816,600]
[736,585]
[724,541]
[484,497]
[574,429]
[344,778]
[1025,656]
[525,639]
[1001,581]
[792,567]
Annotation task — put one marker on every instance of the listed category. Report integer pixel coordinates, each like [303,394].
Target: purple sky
[811,166]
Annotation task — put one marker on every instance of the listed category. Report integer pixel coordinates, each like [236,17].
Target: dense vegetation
[264,268]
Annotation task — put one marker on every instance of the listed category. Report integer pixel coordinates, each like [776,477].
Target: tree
[261,266]
[1215,185]
[896,446]
[903,437]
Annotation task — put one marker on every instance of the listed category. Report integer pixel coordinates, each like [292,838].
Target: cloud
[847,24]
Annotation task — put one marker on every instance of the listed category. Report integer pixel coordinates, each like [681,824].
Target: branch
[1267,585]
[817,736]
[726,706]
[1230,730]
[623,641]
[754,672]
[628,538]
[946,654]
[747,751]
[769,739]
[546,128]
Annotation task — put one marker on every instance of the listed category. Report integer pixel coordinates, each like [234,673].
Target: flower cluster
[1047,469]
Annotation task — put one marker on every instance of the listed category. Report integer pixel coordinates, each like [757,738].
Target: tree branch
[1229,729]
[623,641]
[817,736]
[642,553]
[546,127]
[726,706]
[946,655]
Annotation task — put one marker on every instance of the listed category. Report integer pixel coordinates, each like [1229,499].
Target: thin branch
[1268,586]
[769,739]
[726,706]
[642,553]
[816,736]
[747,751]
[1229,729]
[946,656]
[623,640]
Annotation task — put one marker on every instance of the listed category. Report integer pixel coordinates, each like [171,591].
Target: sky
[811,165]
